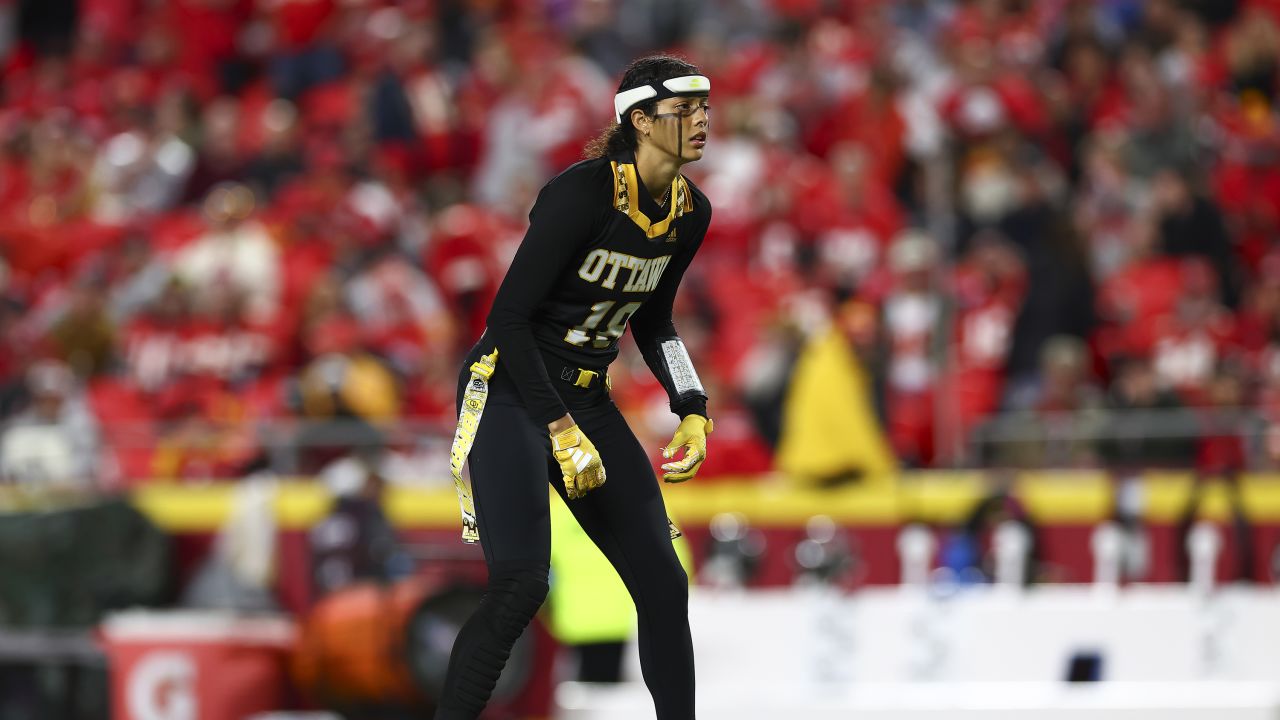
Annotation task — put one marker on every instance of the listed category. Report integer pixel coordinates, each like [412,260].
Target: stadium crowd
[999,231]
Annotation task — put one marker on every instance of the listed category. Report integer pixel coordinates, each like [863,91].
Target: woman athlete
[608,242]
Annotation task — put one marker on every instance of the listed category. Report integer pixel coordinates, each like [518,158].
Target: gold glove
[579,461]
[692,436]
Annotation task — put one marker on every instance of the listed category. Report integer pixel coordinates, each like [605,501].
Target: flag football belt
[580,377]
[583,378]
[473,400]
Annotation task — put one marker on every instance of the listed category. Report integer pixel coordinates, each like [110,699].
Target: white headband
[684,85]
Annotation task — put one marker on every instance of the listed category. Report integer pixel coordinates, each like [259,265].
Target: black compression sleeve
[652,324]
[558,226]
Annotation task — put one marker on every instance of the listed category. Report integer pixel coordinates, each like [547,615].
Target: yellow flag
[829,425]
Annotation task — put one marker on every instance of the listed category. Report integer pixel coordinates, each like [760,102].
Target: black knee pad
[515,592]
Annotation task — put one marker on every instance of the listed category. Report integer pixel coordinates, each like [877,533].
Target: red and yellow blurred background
[966,254]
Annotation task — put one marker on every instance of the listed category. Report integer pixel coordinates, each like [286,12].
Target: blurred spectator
[279,159]
[912,313]
[987,288]
[463,258]
[204,435]
[355,541]
[145,168]
[52,446]
[1222,447]
[594,30]
[1191,342]
[969,550]
[347,393]
[765,368]
[174,346]
[1246,179]
[399,310]
[543,118]
[857,219]
[240,571]
[299,32]
[1059,298]
[219,160]
[1063,421]
[1105,171]
[1147,425]
[1130,300]
[1157,135]
[1191,224]
[236,253]
[1108,207]
[151,353]
[227,344]
[1252,50]
[84,337]
[135,278]
[46,191]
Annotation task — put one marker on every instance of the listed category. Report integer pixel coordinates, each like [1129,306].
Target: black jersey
[600,255]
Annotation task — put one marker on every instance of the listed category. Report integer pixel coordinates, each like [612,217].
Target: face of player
[680,127]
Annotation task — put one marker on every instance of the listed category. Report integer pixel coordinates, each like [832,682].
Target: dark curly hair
[621,136]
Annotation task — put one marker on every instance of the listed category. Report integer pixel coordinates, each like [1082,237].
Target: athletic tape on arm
[684,379]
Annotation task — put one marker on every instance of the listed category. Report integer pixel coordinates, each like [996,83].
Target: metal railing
[1103,438]
[1107,437]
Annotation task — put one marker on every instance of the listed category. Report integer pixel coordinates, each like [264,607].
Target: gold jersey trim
[626,199]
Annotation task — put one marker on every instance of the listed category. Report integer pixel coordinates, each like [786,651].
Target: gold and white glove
[692,436]
[579,461]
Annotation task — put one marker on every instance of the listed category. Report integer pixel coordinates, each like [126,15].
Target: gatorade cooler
[196,665]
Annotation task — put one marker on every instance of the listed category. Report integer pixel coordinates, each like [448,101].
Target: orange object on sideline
[352,647]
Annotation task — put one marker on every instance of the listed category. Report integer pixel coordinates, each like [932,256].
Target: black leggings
[626,518]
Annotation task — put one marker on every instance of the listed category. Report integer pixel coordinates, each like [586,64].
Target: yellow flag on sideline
[829,425]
